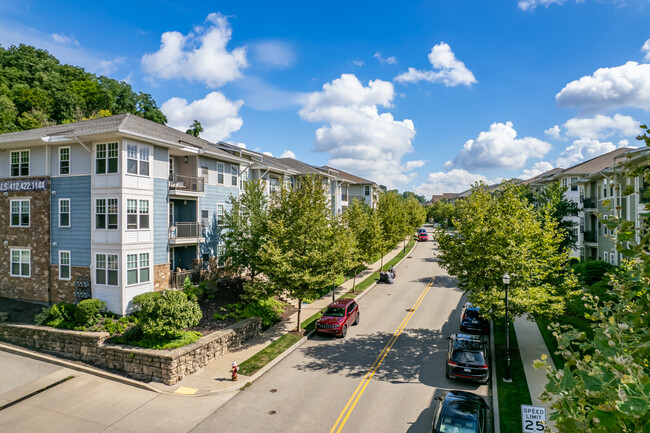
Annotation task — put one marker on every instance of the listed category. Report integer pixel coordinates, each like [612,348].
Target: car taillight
[484,366]
[451,363]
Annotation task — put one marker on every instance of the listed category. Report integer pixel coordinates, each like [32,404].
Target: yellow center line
[352,402]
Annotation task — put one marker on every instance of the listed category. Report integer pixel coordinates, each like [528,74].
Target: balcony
[176,278]
[185,233]
[181,184]
[589,203]
[590,236]
[643,195]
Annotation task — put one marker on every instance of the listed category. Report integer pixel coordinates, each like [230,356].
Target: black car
[467,358]
[460,412]
[472,321]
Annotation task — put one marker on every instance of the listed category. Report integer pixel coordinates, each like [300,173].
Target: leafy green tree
[441,212]
[605,384]
[363,225]
[246,227]
[392,219]
[498,232]
[195,128]
[415,212]
[552,200]
[301,247]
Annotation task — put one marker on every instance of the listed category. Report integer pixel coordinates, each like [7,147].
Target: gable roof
[596,164]
[302,168]
[347,176]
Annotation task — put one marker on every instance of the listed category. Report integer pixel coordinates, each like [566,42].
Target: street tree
[552,199]
[499,232]
[301,249]
[392,219]
[441,212]
[364,228]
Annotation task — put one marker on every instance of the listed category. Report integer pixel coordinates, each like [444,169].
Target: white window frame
[221,213]
[111,151]
[606,256]
[140,263]
[61,160]
[106,213]
[234,173]
[221,255]
[366,190]
[62,265]
[221,173]
[243,179]
[61,200]
[106,269]
[20,162]
[141,214]
[21,254]
[20,212]
[141,156]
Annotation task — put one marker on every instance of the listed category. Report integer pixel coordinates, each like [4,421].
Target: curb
[495,393]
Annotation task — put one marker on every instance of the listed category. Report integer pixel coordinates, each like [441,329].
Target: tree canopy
[36,90]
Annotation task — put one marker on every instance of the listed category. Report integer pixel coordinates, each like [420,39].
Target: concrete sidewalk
[215,377]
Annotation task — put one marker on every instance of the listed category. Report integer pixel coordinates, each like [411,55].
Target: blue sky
[427,96]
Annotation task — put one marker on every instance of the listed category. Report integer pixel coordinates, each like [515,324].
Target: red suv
[337,317]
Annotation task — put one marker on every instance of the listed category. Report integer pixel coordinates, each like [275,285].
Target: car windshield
[450,425]
[463,357]
[334,312]
[472,314]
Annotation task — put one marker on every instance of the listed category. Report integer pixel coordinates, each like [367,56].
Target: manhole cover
[274,390]
[272,412]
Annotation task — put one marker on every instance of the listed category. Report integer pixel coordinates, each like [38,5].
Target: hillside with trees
[36,90]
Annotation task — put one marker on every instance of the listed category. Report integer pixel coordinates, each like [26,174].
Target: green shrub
[58,316]
[88,312]
[593,271]
[193,292]
[118,327]
[165,313]
[269,310]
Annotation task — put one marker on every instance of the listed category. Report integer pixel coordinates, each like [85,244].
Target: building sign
[533,418]
[23,185]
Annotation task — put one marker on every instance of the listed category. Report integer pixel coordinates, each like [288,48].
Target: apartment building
[114,207]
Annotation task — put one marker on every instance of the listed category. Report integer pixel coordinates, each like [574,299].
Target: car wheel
[356,321]
[344,331]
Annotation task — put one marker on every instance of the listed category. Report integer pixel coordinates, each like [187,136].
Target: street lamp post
[507,378]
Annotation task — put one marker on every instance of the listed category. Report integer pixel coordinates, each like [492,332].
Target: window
[106,158]
[574,185]
[221,255]
[205,215]
[606,255]
[20,163]
[220,172]
[344,193]
[137,217]
[64,160]
[611,190]
[20,263]
[234,172]
[106,213]
[137,271]
[137,159]
[64,212]
[220,214]
[605,190]
[243,179]
[64,265]
[366,190]
[19,213]
[106,269]
[565,181]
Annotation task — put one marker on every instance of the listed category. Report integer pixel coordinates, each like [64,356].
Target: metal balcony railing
[183,183]
[590,236]
[185,230]
[589,203]
[176,278]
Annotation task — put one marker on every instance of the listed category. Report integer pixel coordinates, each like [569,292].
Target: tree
[441,212]
[605,383]
[498,232]
[392,220]
[195,128]
[245,228]
[363,225]
[552,200]
[301,249]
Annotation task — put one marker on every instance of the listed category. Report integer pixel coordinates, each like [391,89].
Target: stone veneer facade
[63,290]
[35,238]
[166,366]
[161,276]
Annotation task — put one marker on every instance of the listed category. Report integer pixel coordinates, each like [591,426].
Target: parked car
[337,317]
[467,358]
[472,321]
[423,237]
[422,230]
[460,412]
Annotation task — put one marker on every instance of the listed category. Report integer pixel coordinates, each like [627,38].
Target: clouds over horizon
[456,180]
[359,138]
[195,57]
[446,69]
[498,148]
[219,116]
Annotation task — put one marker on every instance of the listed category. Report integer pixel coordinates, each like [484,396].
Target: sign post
[533,418]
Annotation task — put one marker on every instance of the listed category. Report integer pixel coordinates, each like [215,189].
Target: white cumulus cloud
[600,126]
[499,148]
[200,56]
[607,88]
[532,4]
[553,132]
[219,116]
[357,136]
[646,49]
[456,180]
[446,69]
[582,150]
[537,169]
[288,154]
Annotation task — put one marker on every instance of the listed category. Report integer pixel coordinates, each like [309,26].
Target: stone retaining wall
[166,366]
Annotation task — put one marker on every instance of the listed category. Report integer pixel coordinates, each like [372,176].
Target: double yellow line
[347,410]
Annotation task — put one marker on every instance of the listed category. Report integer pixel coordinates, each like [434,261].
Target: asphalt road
[382,377]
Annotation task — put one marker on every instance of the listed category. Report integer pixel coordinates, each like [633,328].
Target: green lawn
[511,395]
[268,354]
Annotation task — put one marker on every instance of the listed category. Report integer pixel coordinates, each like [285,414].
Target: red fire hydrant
[234,370]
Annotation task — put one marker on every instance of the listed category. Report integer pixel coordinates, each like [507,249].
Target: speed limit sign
[533,418]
